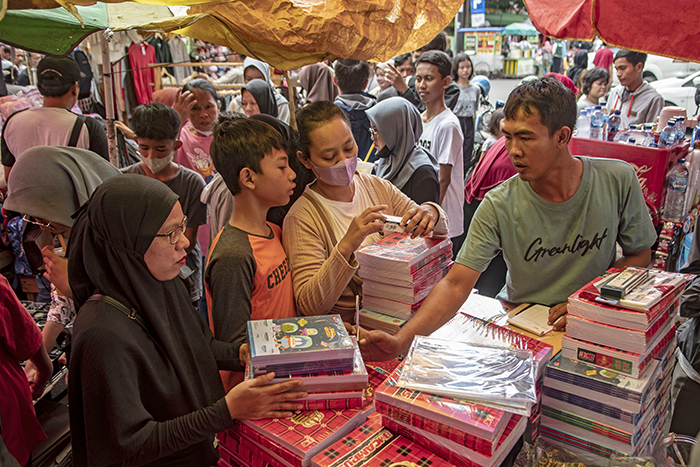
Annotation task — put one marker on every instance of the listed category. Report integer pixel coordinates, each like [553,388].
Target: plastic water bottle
[680,124]
[623,136]
[696,135]
[583,125]
[667,136]
[632,141]
[648,141]
[598,124]
[675,192]
[614,121]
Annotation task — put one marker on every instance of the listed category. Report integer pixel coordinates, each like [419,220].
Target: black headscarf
[580,64]
[109,239]
[264,96]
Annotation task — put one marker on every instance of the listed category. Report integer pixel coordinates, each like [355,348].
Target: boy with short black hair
[156,127]
[442,136]
[351,77]
[247,271]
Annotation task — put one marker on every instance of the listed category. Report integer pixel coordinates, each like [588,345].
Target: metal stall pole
[108,97]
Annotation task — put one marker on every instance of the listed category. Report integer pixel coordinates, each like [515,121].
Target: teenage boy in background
[351,77]
[156,127]
[247,272]
[442,136]
[636,100]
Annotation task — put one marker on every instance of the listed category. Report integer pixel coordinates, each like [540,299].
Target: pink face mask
[340,174]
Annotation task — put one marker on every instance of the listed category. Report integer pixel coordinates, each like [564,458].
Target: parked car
[680,91]
[657,68]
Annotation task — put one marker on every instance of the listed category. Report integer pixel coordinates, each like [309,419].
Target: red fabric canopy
[668,28]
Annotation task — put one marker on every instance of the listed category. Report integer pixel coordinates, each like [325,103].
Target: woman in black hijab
[144,386]
[577,71]
[257,97]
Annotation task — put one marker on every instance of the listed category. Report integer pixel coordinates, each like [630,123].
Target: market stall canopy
[520,29]
[291,33]
[661,28]
[58,32]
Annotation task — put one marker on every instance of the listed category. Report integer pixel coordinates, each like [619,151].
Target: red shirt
[603,58]
[20,339]
[492,170]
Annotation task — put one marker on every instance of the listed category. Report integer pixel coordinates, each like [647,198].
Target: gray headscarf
[52,182]
[263,67]
[400,125]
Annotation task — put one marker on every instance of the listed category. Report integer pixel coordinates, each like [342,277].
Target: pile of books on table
[397,273]
[609,390]
[319,351]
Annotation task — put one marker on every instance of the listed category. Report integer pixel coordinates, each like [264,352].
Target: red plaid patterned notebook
[477,425]
[234,446]
[372,445]
[305,434]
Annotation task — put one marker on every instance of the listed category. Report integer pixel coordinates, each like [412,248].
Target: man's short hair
[202,85]
[591,77]
[241,143]
[403,58]
[56,76]
[439,43]
[554,102]
[440,59]
[351,75]
[155,121]
[632,57]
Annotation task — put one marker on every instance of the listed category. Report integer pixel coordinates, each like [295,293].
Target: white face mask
[156,165]
[205,133]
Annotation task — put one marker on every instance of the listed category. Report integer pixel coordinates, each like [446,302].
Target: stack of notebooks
[623,335]
[373,445]
[464,433]
[314,349]
[466,328]
[398,272]
[608,391]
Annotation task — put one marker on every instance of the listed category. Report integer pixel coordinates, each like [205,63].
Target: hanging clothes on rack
[140,56]
[179,53]
[163,54]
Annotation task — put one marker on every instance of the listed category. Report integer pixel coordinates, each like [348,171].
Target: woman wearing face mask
[198,107]
[257,97]
[396,128]
[339,213]
[48,184]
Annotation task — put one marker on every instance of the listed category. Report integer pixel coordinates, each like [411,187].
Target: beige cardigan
[322,283]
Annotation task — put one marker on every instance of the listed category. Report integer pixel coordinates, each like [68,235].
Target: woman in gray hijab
[47,185]
[396,127]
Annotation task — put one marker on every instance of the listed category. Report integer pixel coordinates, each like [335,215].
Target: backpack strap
[132,313]
[77,127]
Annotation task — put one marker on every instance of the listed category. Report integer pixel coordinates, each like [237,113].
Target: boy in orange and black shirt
[247,272]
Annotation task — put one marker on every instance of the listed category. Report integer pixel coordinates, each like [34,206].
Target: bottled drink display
[598,124]
[583,125]
[613,125]
[668,136]
[675,192]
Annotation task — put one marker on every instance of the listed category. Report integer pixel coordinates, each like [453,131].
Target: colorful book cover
[387,277]
[241,454]
[477,420]
[578,442]
[577,375]
[456,453]
[332,401]
[412,294]
[620,361]
[305,434]
[295,341]
[372,445]
[326,381]
[402,254]
[624,339]
[373,320]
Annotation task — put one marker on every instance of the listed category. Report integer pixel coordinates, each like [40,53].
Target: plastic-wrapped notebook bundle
[381,322]
[495,376]
[402,254]
[294,346]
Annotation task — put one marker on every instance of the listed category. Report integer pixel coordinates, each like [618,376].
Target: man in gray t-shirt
[557,221]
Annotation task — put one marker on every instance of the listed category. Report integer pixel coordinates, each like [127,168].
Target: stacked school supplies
[398,272]
[296,346]
[372,445]
[608,392]
[624,334]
